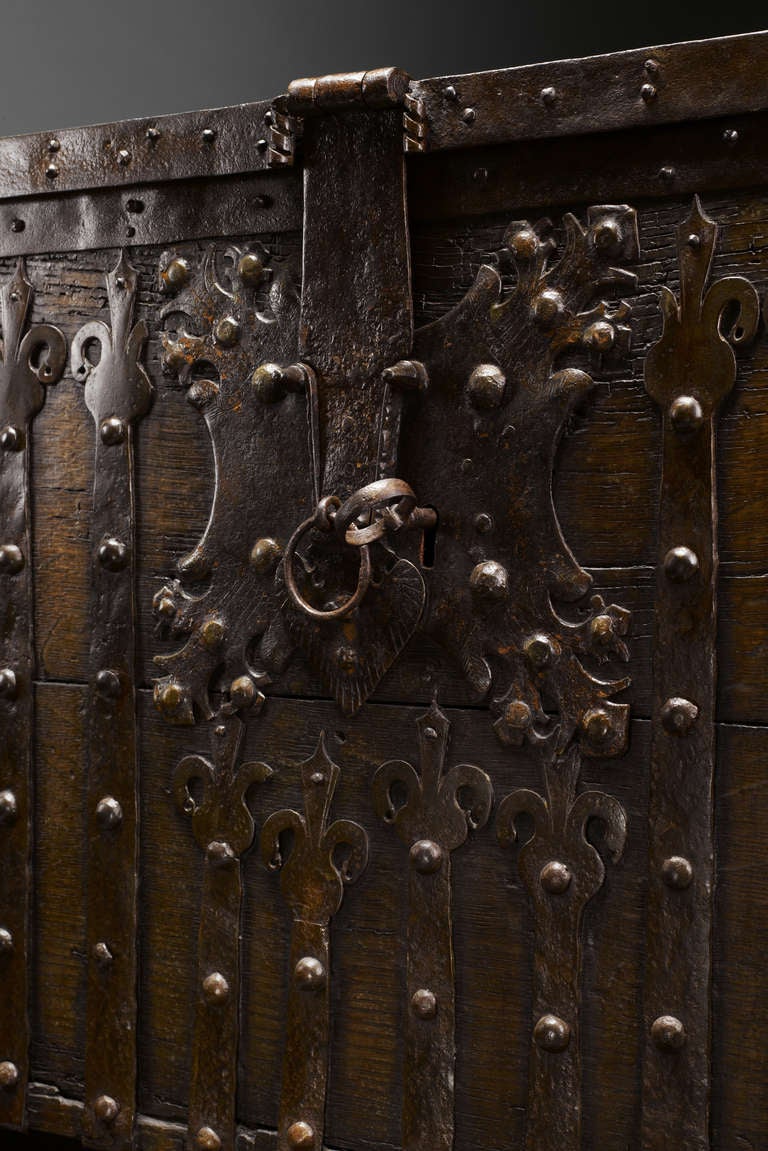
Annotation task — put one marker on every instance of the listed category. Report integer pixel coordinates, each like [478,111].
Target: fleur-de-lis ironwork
[320,862]
[432,811]
[562,871]
[32,356]
[214,793]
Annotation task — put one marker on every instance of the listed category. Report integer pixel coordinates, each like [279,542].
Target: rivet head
[424,1003]
[9,1074]
[524,243]
[215,988]
[208,135]
[677,872]
[607,234]
[169,698]
[539,651]
[176,273]
[8,807]
[123,157]
[51,172]
[652,67]
[485,387]
[242,691]
[483,523]
[596,723]
[301,1135]
[268,383]
[685,414]
[548,307]
[102,954]
[426,856]
[555,877]
[678,715]
[450,93]
[113,554]
[153,135]
[517,715]
[668,1033]
[489,580]
[251,268]
[469,115]
[113,431]
[17,224]
[680,564]
[207,1139]
[309,973]
[667,174]
[649,92]
[54,145]
[548,97]
[731,136]
[109,813]
[552,1033]
[212,633]
[227,332]
[600,336]
[8,683]
[265,555]
[11,559]
[6,941]
[108,683]
[220,853]
[430,733]
[164,606]
[694,241]
[106,1109]
[12,439]
[601,630]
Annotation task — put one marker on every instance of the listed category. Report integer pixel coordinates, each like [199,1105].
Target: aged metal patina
[456,352]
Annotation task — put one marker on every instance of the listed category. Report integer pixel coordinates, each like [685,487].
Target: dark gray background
[69,62]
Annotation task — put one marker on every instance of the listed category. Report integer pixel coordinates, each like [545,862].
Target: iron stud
[212,633]
[489,580]
[680,564]
[102,954]
[685,413]
[555,877]
[109,813]
[123,157]
[113,431]
[677,872]
[208,135]
[301,1135]
[424,1003]
[113,554]
[548,307]
[8,683]
[106,1109]
[265,555]
[8,807]
[523,244]
[6,941]
[552,1033]
[483,523]
[12,439]
[309,973]
[668,1033]
[220,853]
[51,171]
[678,715]
[426,856]
[469,115]
[250,269]
[548,96]
[649,92]
[207,1139]
[175,274]
[11,559]
[9,1075]
[227,332]
[486,386]
[215,988]
[597,724]
[539,651]
[108,683]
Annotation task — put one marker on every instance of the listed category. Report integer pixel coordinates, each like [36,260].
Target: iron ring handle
[379,494]
[363,579]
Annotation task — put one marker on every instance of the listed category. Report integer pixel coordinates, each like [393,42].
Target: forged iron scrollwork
[214,793]
[562,871]
[689,372]
[432,811]
[501,406]
[321,859]
[117,394]
[33,356]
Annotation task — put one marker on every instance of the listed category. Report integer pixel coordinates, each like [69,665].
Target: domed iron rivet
[215,988]
[227,332]
[548,307]
[212,633]
[102,954]
[677,872]
[113,431]
[485,387]
[51,172]
[680,564]
[517,715]
[113,554]
[523,244]
[548,97]
[108,683]
[667,174]
[17,225]
[539,651]
[597,724]
[694,241]
[552,1033]
[555,877]
[208,135]
[601,630]
[153,135]
[169,698]
[668,1033]
[731,136]
[176,273]
[424,1003]
[123,157]
[678,715]
[12,439]
[469,115]
[8,683]
[649,93]
[309,973]
[166,607]
[301,1135]
[489,580]
[685,414]
[109,813]
[242,691]
[268,383]
[430,733]
[53,144]
[265,555]
[11,559]
[426,856]
[8,807]
[600,337]
[6,941]
[9,1075]
[106,1109]
[250,269]
[207,1139]
[483,523]
[607,234]
[220,853]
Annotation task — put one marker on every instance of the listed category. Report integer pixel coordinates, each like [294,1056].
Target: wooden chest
[384,616]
